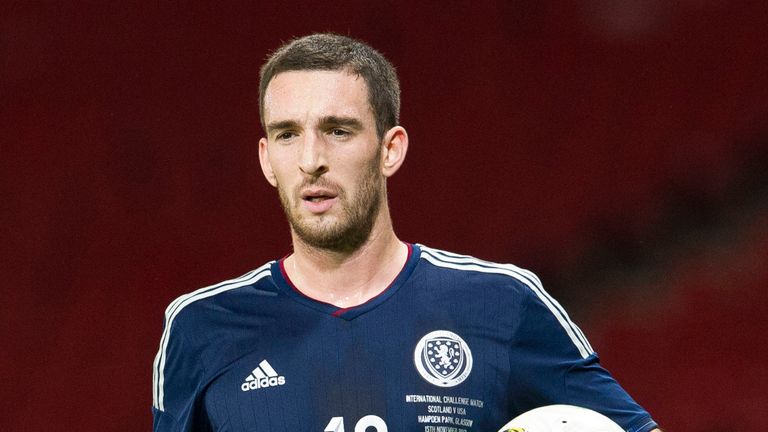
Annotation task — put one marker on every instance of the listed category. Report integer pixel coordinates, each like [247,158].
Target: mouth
[317,195]
[315,199]
[318,201]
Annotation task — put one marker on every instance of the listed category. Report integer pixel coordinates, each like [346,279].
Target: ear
[395,146]
[266,165]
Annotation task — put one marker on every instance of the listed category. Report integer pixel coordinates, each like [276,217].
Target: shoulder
[179,350]
[190,304]
[481,272]
[512,287]
[189,314]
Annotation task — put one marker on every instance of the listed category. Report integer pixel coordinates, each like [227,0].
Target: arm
[177,375]
[558,366]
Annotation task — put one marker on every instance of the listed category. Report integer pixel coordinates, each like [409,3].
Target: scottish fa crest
[443,358]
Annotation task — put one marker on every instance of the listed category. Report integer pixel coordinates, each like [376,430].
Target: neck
[347,279]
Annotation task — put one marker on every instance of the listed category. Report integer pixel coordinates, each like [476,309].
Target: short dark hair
[327,51]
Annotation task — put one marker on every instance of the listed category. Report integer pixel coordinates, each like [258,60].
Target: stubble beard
[353,226]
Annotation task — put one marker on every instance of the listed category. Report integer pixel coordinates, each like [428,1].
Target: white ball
[561,418]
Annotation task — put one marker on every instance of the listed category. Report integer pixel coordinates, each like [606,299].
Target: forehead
[299,95]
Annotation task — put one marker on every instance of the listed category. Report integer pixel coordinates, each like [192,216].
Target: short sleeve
[552,362]
[177,382]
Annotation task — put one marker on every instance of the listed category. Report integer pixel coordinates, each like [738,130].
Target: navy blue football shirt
[454,344]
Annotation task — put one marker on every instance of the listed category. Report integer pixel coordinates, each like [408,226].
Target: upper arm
[177,377]
[555,364]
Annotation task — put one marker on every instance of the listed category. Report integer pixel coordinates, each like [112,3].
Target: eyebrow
[283,124]
[350,122]
[327,121]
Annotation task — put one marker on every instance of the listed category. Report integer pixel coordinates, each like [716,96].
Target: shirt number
[337,424]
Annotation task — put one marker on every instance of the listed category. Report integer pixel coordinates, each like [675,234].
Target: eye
[283,136]
[339,133]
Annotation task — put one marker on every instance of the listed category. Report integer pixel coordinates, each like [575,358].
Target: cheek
[281,168]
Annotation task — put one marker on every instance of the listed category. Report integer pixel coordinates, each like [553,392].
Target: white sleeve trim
[529,279]
[172,311]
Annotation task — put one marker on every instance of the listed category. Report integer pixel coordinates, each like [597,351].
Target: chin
[335,238]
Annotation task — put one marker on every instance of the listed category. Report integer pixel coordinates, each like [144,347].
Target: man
[357,330]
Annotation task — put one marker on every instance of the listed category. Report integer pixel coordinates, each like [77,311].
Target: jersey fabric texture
[453,344]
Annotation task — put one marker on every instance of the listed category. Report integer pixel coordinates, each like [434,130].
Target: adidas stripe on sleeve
[527,278]
[177,372]
[551,360]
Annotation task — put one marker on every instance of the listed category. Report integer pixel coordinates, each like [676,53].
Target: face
[323,156]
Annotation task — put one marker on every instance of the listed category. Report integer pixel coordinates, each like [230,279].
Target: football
[561,418]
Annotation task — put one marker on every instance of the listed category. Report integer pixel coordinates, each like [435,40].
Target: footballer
[356,329]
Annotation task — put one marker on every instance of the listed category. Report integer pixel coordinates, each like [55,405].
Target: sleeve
[177,377]
[554,364]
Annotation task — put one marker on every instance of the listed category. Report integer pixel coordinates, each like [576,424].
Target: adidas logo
[261,377]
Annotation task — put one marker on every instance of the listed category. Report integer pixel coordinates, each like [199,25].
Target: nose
[312,157]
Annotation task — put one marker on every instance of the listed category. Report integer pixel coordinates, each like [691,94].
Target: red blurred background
[618,148]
